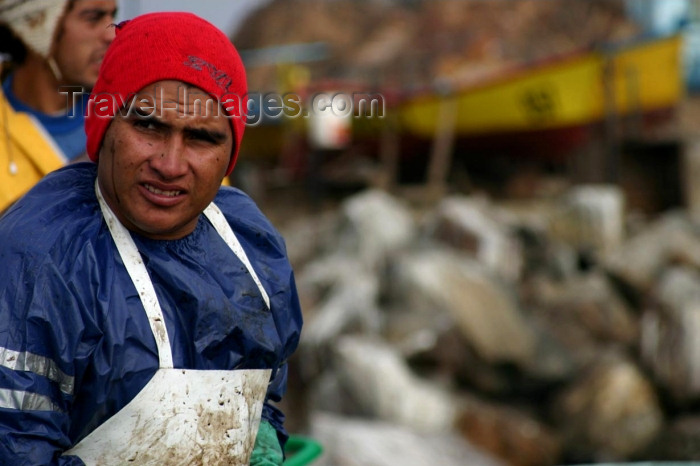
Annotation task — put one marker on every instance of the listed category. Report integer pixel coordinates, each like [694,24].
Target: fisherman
[54,49]
[146,312]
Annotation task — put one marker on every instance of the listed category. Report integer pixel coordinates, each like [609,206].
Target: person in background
[146,312]
[54,48]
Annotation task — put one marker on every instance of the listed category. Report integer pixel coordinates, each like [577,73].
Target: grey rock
[513,435]
[670,339]
[640,259]
[381,382]
[374,226]
[486,313]
[473,225]
[362,442]
[611,411]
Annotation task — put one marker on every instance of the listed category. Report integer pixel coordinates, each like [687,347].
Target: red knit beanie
[167,46]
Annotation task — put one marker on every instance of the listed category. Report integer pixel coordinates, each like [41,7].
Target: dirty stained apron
[182,416]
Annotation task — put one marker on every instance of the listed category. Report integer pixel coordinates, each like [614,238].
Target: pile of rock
[531,334]
[405,44]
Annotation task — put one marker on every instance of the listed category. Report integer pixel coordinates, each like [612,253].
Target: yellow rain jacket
[27,153]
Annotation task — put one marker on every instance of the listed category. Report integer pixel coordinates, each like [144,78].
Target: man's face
[161,165]
[82,39]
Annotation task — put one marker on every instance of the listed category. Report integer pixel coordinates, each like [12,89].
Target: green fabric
[267,450]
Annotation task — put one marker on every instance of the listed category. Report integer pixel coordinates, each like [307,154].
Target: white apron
[182,416]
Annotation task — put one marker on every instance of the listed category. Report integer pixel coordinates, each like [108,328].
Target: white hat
[34,21]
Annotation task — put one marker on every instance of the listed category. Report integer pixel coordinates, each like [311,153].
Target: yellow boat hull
[574,91]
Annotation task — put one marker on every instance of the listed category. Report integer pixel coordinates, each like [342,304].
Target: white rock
[376,225]
[381,381]
[486,313]
[358,442]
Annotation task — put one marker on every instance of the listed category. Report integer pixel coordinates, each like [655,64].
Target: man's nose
[170,160]
[108,31]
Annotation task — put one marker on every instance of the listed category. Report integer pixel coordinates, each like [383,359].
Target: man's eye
[93,17]
[204,138]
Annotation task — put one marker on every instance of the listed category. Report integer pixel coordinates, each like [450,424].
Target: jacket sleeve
[271,413]
[288,320]
[268,253]
[39,327]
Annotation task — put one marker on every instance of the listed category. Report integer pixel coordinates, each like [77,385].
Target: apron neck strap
[217,219]
[133,262]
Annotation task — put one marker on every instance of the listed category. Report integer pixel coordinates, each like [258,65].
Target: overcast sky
[225,14]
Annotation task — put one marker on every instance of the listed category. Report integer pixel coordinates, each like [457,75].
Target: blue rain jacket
[75,343]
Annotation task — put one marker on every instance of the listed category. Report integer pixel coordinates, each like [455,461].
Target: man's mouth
[161,192]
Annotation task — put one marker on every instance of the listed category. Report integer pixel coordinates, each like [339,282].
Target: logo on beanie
[222,79]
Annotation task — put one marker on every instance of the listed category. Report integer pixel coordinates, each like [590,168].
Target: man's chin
[86,83]
[89,83]
[88,80]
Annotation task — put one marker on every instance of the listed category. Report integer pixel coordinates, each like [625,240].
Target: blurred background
[499,261]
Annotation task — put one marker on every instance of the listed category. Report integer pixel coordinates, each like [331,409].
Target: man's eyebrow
[141,112]
[138,113]
[146,113]
[97,11]
[218,137]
